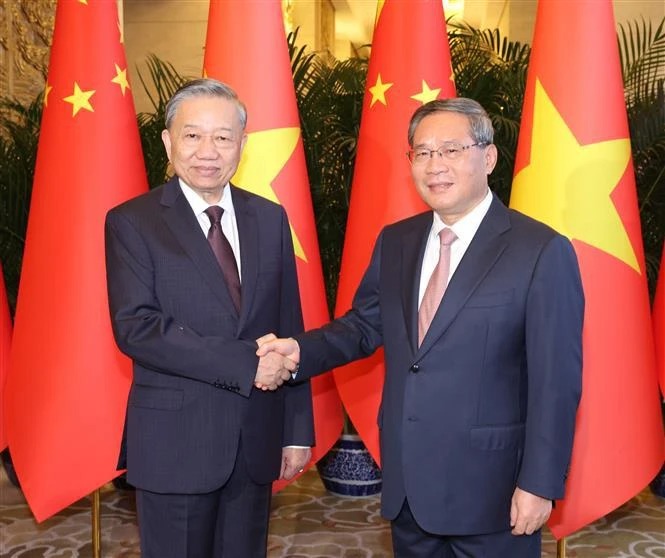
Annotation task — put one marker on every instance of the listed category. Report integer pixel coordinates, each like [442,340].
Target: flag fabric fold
[5,341]
[409,66]
[67,386]
[574,172]
[273,163]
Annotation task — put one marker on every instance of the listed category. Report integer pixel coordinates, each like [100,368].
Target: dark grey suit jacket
[488,401]
[192,396]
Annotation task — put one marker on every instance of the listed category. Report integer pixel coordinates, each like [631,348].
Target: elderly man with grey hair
[197,271]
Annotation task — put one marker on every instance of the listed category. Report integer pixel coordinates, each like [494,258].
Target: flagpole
[561,548]
[96,526]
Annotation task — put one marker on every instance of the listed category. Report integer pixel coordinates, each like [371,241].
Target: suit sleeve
[153,339]
[355,335]
[554,318]
[298,415]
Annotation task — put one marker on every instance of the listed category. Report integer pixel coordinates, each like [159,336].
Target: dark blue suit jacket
[488,401]
[192,396]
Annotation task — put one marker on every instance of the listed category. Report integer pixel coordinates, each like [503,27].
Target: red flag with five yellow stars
[5,340]
[659,324]
[574,172]
[409,66]
[273,162]
[68,383]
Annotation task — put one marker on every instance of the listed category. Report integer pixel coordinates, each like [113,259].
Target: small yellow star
[83,2]
[378,91]
[427,94]
[569,186]
[47,90]
[265,154]
[80,99]
[121,79]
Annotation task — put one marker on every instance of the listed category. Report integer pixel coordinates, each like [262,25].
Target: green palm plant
[19,135]
[642,52]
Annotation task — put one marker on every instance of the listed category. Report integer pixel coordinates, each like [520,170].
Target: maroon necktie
[224,253]
[437,284]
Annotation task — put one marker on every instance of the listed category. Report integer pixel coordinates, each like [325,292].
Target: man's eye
[451,150]
[422,154]
[222,139]
[191,136]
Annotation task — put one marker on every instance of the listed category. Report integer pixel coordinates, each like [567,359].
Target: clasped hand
[278,358]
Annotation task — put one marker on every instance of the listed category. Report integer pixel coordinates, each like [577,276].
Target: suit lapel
[413,251]
[180,219]
[485,249]
[249,249]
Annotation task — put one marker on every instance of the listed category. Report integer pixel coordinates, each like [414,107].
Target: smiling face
[204,143]
[451,188]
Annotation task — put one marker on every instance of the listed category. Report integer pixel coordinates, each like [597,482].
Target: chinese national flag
[273,162]
[409,66]
[68,383]
[5,340]
[574,171]
[659,323]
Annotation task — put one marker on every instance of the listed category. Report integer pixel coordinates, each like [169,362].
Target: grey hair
[204,87]
[480,124]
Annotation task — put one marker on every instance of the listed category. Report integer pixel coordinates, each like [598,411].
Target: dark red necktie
[224,253]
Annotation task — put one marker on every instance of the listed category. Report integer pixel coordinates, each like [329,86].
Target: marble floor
[306,522]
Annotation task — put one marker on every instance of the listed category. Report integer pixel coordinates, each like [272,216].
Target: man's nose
[206,148]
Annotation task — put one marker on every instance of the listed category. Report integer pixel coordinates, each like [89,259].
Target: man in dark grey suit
[479,309]
[197,271]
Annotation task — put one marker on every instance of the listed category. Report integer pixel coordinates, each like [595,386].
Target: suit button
[415,368]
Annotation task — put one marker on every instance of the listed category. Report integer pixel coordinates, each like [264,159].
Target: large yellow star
[568,185]
[378,91]
[266,152]
[80,99]
[427,94]
[121,79]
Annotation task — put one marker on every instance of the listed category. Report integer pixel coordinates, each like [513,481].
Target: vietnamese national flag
[246,48]
[5,341]
[574,171]
[67,387]
[659,324]
[409,66]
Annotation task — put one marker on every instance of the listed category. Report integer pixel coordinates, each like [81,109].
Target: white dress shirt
[229,223]
[465,229]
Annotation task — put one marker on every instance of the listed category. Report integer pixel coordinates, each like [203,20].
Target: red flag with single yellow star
[67,387]
[659,324]
[409,66]
[273,162]
[5,341]
[574,172]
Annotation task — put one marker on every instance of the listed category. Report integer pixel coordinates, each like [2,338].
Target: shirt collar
[199,205]
[465,229]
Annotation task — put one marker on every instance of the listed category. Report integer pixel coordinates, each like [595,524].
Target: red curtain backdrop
[409,66]
[67,385]
[659,324]
[574,172]
[246,48]
[5,340]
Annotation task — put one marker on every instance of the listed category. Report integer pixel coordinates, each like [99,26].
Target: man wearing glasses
[479,309]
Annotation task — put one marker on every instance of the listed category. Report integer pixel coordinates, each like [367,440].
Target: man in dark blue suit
[197,271]
[479,309]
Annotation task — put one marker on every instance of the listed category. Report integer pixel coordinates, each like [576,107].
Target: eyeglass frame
[443,153]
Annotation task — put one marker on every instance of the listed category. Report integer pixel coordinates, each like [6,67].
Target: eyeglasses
[449,151]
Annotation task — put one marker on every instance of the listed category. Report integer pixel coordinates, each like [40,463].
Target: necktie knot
[447,236]
[214,213]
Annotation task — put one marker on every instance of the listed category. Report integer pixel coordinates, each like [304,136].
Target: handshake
[278,360]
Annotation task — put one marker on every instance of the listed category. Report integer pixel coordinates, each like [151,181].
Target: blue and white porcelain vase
[349,470]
